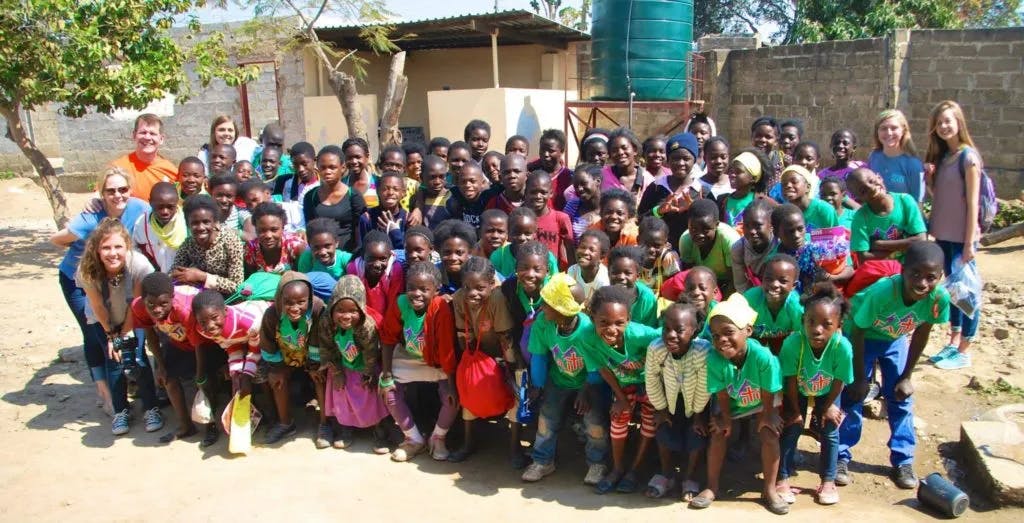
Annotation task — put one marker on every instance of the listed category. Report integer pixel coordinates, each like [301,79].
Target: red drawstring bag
[481,385]
[481,382]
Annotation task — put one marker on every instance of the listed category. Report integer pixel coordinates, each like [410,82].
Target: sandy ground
[58,459]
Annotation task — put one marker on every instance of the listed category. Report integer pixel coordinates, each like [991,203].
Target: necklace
[115,281]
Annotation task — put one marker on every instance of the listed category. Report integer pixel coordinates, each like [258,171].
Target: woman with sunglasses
[114,187]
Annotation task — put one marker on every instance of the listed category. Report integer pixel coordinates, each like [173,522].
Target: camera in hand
[125,345]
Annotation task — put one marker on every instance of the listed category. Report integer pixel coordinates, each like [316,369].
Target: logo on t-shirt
[746,395]
[892,233]
[816,385]
[414,342]
[568,360]
[896,326]
[174,331]
[627,369]
[350,352]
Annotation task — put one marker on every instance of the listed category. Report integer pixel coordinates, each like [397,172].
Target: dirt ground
[59,461]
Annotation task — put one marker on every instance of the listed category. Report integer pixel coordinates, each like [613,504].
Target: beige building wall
[520,66]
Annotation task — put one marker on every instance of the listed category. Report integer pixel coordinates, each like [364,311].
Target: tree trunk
[394,99]
[47,175]
[1003,234]
[344,87]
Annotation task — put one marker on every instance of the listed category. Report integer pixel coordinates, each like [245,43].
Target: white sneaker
[121,423]
[154,421]
[536,472]
[595,474]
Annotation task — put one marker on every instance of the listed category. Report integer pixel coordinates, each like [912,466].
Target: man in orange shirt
[147,166]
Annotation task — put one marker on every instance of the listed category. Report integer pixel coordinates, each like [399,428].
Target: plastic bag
[526,412]
[201,411]
[964,286]
[829,248]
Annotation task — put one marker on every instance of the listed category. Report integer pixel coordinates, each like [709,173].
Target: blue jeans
[892,358]
[550,418]
[829,445]
[94,352]
[113,371]
[958,321]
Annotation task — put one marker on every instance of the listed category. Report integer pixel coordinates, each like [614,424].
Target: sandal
[324,436]
[690,489]
[211,437]
[786,494]
[627,485]
[609,483]
[343,439]
[172,436]
[408,450]
[659,486]
[702,500]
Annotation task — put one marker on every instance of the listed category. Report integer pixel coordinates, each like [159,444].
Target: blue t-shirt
[902,174]
[86,222]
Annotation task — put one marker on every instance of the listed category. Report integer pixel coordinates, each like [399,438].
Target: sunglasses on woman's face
[110,191]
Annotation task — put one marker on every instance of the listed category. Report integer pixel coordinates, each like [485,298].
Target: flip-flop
[702,500]
[658,486]
[609,483]
[690,489]
[627,485]
[786,494]
[173,436]
[779,507]
[211,437]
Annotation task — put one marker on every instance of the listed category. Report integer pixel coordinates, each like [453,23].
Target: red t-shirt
[554,230]
[178,323]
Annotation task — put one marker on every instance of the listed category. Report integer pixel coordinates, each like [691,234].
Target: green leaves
[103,54]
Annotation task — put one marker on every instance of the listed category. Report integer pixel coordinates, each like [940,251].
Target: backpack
[988,206]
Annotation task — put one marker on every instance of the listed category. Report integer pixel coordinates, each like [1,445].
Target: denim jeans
[114,371]
[892,358]
[552,412]
[94,351]
[958,321]
[829,445]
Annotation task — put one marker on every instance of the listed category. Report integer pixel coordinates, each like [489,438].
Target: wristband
[656,212]
[201,381]
[385,383]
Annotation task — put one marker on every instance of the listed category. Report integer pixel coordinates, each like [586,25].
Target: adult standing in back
[144,164]
[955,178]
[894,157]
[224,131]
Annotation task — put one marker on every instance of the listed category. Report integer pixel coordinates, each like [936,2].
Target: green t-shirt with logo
[744,385]
[628,365]
[570,370]
[505,262]
[786,321]
[880,311]
[412,328]
[814,376]
[820,215]
[351,356]
[903,221]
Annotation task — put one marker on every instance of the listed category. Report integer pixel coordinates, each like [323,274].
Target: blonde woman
[894,157]
[954,167]
[111,276]
[115,201]
[223,130]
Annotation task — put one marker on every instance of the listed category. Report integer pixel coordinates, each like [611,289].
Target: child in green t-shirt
[559,376]
[796,188]
[892,320]
[816,361]
[624,264]
[745,378]
[676,367]
[886,224]
[323,254]
[778,306]
[833,191]
[617,348]
[522,227]
[708,242]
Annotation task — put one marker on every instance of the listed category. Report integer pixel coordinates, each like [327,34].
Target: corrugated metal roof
[514,27]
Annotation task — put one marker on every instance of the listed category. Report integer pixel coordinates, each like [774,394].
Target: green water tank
[643,46]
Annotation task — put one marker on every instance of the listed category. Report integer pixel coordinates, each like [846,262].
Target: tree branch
[309,26]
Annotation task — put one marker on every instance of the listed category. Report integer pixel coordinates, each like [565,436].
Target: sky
[403,9]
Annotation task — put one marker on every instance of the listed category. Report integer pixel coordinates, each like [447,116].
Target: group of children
[707,295]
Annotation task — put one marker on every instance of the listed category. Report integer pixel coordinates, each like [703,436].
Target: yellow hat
[750,163]
[812,179]
[557,293]
[736,309]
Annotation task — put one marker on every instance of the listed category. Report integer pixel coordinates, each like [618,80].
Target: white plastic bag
[964,286]
[201,411]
